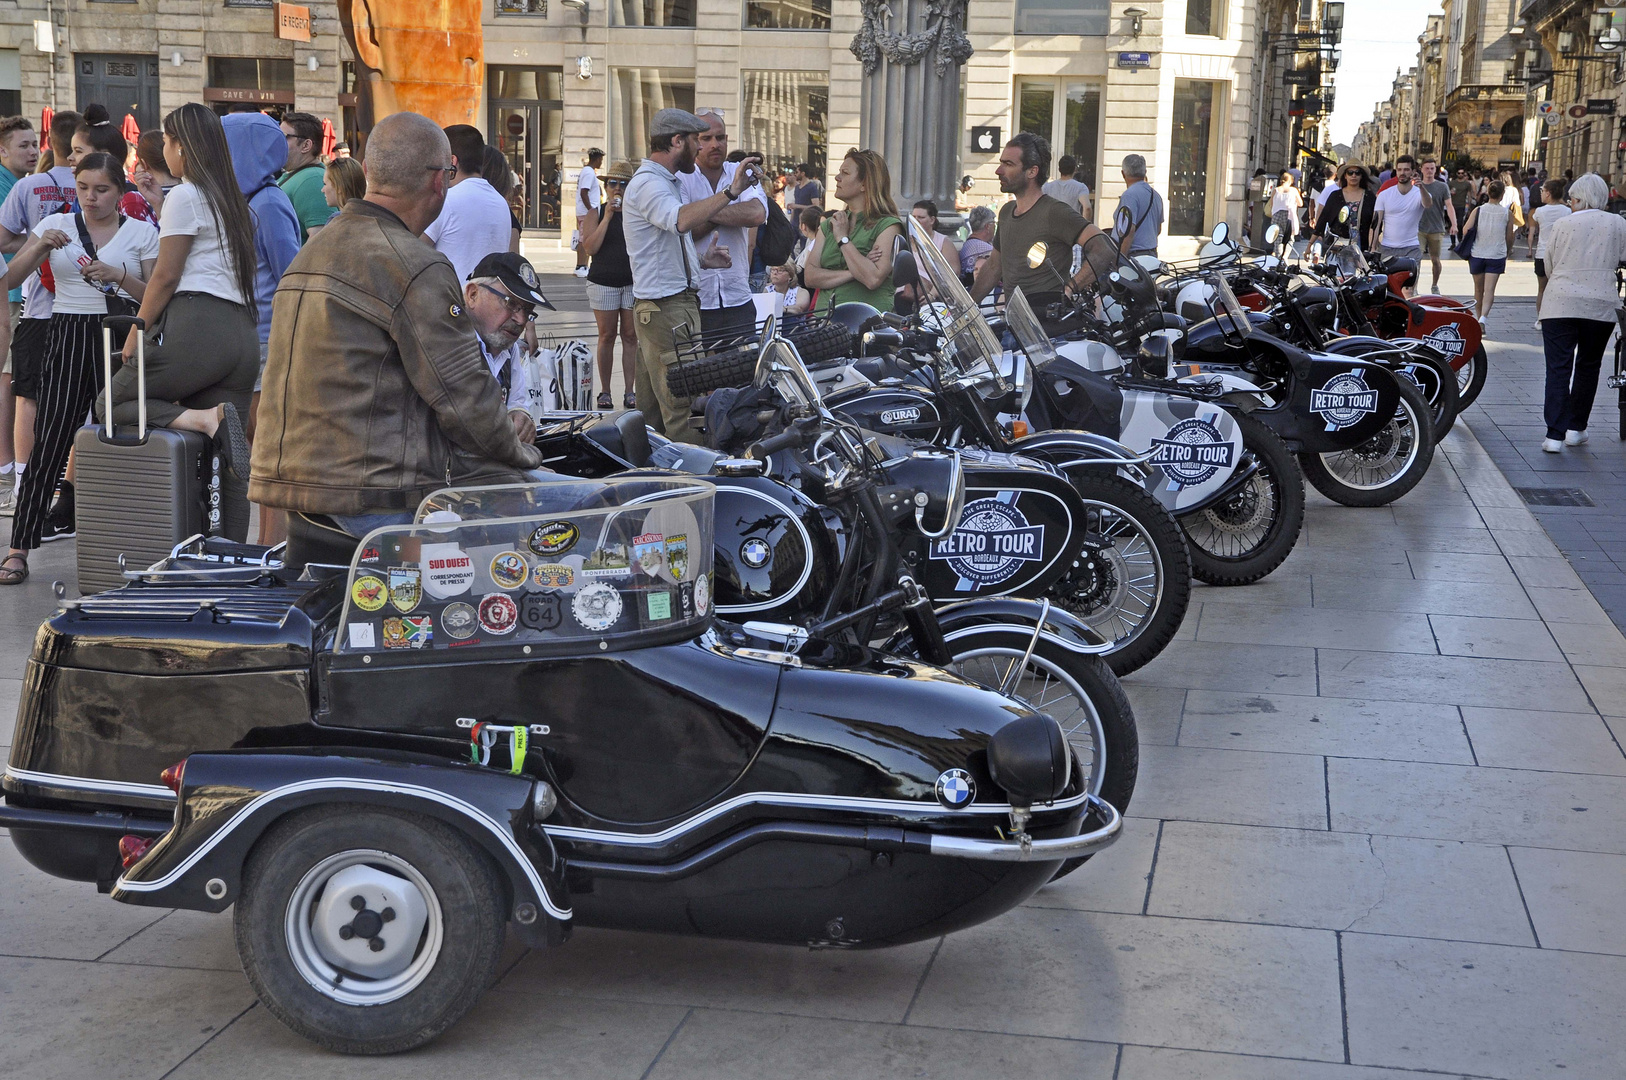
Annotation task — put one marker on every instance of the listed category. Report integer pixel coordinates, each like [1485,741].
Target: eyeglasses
[514,304]
[449,170]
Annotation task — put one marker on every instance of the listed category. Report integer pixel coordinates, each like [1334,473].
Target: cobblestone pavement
[1380,832]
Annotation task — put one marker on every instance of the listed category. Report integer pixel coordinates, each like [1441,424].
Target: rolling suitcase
[138,495]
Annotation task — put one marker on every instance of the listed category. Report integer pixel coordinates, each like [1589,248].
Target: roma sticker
[596,606]
[677,556]
[509,570]
[649,553]
[554,538]
[458,621]
[419,630]
[369,593]
[406,587]
[702,594]
[395,635]
[447,571]
[552,575]
[610,561]
[498,614]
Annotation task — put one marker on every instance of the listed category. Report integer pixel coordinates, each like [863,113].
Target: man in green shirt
[19,152]
[302,176]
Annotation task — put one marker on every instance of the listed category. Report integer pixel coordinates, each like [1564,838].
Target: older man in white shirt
[666,268]
[726,308]
[502,297]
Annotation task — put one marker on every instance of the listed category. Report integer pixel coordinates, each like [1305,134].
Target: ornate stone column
[912,52]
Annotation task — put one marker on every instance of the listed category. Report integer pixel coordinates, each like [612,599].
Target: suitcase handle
[109,325]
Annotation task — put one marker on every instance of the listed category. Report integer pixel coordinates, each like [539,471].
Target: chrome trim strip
[82,783]
[352,783]
[775,798]
[1019,628]
[1061,847]
[807,545]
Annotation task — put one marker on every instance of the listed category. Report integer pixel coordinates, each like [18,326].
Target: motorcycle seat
[626,437]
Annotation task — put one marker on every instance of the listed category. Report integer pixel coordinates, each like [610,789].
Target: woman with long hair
[1353,191]
[609,288]
[151,175]
[343,180]
[96,255]
[496,171]
[203,348]
[1493,243]
[1285,206]
[851,258]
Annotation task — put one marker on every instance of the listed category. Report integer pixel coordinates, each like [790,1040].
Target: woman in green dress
[852,253]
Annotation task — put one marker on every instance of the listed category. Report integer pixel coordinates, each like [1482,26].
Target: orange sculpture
[421,56]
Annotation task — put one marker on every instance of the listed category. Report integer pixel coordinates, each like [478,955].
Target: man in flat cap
[665,266]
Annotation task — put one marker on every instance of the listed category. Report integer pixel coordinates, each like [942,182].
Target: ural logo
[1344,400]
[1445,340]
[1192,453]
[901,416]
[993,541]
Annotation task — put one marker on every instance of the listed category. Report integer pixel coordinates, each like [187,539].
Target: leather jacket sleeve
[436,339]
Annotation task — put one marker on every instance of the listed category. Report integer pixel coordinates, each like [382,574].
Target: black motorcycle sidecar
[521,713]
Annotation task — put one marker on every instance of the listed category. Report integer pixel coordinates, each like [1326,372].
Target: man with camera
[666,269]
[726,308]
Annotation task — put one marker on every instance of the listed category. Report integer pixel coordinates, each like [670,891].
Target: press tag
[516,750]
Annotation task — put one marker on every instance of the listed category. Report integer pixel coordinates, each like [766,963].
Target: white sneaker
[1552,446]
[1435,290]
[1574,438]
[1538,324]
[581,271]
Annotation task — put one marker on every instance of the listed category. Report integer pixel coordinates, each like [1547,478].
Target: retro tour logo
[993,541]
[1192,452]
[1344,400]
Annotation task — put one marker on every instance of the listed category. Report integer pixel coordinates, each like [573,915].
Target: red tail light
[171,776]
[131,848]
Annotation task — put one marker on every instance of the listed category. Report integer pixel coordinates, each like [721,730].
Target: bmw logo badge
[754,553]
[956,789]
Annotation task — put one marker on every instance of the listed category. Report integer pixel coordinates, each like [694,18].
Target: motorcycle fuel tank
[1197,444]
[775,549]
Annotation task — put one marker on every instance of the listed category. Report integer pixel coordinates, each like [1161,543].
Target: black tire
[817,340]
[985,655]
[1360,476]
[1277,489]
[466,895]
[1471,379]
[1439,386]
[1139,538]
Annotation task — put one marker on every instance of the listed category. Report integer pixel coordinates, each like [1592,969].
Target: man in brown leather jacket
[375,391]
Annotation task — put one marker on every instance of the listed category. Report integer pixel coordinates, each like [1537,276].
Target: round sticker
[509,569]
[702,594]
[369,593]
[597,606]
[554,537]
[447,570]
[498,614]
[458,621]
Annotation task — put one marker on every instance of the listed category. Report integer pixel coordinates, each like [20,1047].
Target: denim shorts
[608,297]
[1487,266]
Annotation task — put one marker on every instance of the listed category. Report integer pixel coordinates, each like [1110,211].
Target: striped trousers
[70,377]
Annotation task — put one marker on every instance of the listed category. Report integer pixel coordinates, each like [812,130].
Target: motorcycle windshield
[1346,258]
[968,343]
[1228,309]
[1029,334]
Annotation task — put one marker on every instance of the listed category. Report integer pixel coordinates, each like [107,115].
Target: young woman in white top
[1487,259]
[119,257]
[203,341]
[1578,310]
[1285,205]
[1552,208]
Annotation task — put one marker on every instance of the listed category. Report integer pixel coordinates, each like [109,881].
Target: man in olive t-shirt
[1029,218]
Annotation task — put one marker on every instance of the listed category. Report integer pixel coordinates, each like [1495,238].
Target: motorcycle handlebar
[789,439]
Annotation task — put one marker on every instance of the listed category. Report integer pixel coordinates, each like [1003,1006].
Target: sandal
[631,400]
[605,401]
[232,441]
[9,576]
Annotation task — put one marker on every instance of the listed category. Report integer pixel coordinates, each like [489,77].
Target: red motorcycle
[1448,326]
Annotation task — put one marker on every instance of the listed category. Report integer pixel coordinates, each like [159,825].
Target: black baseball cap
[516,274]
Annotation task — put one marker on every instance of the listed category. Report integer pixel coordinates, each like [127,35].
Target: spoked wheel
[1252,530]
[1441,389]
[1471,378]
[1079,690]
[371,931]
[1132,582]
[1384,467]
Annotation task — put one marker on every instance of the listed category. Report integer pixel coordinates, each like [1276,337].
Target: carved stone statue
[911,109]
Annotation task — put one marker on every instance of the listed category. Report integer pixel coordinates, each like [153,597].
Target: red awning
[46,117]
[329,139]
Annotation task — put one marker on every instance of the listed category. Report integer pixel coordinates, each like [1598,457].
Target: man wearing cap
[588,202]
[726,307]
[666,268]
[501,297]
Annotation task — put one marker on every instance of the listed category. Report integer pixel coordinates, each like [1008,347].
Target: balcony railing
[1484,92]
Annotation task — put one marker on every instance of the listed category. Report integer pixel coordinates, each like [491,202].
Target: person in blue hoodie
[259,150]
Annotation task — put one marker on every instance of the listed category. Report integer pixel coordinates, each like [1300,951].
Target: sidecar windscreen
[967,340]
[548,568]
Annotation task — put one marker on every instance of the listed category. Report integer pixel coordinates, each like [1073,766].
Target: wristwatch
[844,241]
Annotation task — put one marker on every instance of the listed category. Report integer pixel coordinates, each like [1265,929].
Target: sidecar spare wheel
[370,931]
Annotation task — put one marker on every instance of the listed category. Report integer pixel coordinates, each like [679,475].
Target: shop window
[787,14]
[523,7]
[785,119]
[1513,132]
[636,95]
[525,83]
[251,73]
[1190,148]
[1068,116]
[1203,18]
[651,12]
[1089,17]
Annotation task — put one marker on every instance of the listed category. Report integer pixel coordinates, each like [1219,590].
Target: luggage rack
[184,601]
